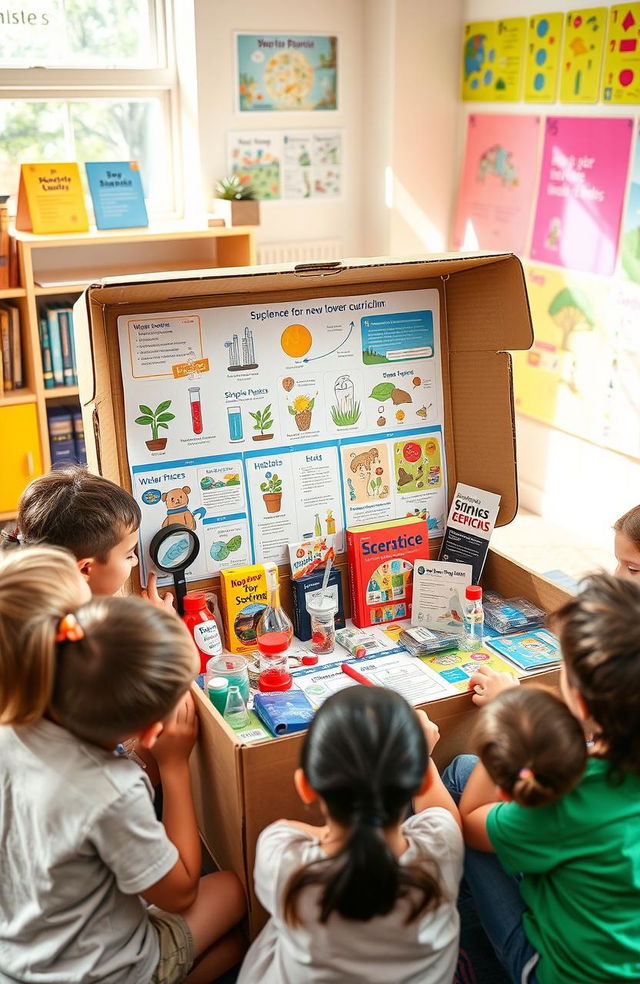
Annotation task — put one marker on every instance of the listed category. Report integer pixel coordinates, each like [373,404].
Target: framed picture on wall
[286,72]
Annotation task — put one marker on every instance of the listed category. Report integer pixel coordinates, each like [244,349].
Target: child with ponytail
[81,850]
[369,896]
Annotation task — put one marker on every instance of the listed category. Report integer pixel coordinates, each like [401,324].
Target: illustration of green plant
[301,410]
[263,422]
[273,485]
[221,550]
[156,419]
[373,485]
[343,418]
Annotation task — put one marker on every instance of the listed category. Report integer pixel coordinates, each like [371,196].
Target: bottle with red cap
[202,625]
[473,619]
[274,633]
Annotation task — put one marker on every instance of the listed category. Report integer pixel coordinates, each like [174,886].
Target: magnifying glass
[173,550]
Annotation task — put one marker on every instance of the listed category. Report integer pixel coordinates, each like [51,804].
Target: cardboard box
[484,313]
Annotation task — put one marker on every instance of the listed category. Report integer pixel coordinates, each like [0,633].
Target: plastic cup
[322,611]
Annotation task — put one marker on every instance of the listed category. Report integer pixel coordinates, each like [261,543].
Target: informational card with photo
[438,595]
[472,516]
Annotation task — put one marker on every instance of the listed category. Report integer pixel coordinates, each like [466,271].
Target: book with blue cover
[536,650]
[284,713]
[116,191]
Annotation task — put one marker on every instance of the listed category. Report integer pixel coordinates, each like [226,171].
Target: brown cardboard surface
[240,789]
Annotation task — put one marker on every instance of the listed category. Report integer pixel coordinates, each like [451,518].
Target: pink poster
[498,182]
[582,182]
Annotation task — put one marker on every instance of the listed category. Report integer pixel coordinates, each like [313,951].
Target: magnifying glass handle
[180,585]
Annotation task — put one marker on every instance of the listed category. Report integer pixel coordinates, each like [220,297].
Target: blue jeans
[496,894]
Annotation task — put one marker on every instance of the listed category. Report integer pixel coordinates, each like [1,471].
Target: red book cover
[381,558]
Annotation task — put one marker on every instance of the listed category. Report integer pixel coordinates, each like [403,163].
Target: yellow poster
[621,81]
[50,199]
[492,60]
[563,379]
[542,64]
[584,36]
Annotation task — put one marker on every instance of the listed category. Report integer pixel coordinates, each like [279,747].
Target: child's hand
[487,683]
[152,594]
[178,735]
[431,731]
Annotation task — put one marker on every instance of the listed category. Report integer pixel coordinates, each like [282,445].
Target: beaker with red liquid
[274,633]
[196,409]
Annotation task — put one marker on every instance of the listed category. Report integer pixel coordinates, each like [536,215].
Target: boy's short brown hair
[599,632]
[72,508]
[629,525]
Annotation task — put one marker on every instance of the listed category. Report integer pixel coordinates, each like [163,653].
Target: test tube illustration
[234,419]
[196,409]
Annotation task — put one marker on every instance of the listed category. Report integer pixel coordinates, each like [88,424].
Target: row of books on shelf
[9,274]
[57,346]
[11,377]
[66,436]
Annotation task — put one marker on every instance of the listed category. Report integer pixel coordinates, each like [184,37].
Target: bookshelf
[57,268]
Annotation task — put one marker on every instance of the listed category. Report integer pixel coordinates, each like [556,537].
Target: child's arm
[435,793]
[479,797]
[178,889]
[487,683]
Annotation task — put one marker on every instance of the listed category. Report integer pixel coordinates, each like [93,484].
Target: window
[89,80]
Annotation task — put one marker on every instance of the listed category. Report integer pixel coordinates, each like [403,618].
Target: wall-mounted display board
[498,182]
[581,192]
[286,72]
[584,37]
[621,79]
[291,164]
[543,51]
[492,60]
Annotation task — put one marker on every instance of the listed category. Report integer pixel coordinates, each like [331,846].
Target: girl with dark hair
[370,896]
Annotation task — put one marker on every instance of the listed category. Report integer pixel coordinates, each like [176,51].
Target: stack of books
[57,345]
[66,436]
[11,343]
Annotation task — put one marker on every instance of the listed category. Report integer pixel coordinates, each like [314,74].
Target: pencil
[349,670]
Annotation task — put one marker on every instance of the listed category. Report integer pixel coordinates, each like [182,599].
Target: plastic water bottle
[473,619]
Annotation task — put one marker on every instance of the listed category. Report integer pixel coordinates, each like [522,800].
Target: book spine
[72,340]
[14,265]
[16,347]
[56,346]
[4,246]
[65,344]
[356,612]
[78,436]
[6,350]
[61,441]
[45,348]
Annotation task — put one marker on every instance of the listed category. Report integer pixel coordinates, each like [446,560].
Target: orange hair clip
[69,630]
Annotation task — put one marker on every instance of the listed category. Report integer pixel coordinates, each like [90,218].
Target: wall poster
[542,64]
[258,425]
[286,72]
[291,164]
[492,60]
[621,81]
[584,37]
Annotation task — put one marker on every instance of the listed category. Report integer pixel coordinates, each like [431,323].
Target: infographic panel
[258,425]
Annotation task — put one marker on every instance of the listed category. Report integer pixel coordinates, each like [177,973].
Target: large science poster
[498,182]
[259,425]
[581,192]
[286,72]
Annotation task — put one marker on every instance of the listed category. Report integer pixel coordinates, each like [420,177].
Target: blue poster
[287,72]
[397,337]
[118,198]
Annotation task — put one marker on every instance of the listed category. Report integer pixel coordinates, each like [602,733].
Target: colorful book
[284,713]
[5,341]
[55,342]
[301,588]
[15,346]
[245,596]
[66,328]
[381,558]
[117,195]
[535,650]
[5,280]
[45,349]
[78,437]
[61,441]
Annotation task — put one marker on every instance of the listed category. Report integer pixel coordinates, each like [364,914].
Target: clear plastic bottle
[473,619]
[274,633]
[235,711]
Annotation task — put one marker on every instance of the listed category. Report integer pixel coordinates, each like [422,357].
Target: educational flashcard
[535,650]
[621,79]
[581,191]
[584,37]
[492,60]
[498,182]
[438,595]
[542,65]
[268,424]
[470,523]
[458,667]
[292,164]
[286,72]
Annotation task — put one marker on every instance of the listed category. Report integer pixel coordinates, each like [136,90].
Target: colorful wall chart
[258,425]
[498,182]
[292,164]
[286,72]
[621,80]
[584,37]
[543,52]
[581,192]
[630,238]
[492,60]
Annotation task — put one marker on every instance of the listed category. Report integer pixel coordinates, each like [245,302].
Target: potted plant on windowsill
[235,202]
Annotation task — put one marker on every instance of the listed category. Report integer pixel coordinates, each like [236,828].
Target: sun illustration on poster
[296,340]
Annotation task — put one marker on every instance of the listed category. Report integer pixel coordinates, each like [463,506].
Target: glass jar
[322,611]
[222,673]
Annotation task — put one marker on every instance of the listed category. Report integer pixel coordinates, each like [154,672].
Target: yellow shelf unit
[60,267]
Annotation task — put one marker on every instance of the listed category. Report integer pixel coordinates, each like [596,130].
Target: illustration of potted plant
[272,492]
[156,419]
[301,410]
[263,422]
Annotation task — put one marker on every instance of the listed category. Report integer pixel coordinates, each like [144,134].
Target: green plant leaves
[146,410]
[163,406]
[382,392]
[166,416]
[144,420]
[234,543]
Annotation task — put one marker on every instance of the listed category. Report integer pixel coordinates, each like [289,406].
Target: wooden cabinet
[58,268]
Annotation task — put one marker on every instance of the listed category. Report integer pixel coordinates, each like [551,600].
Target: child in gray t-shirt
[81,850]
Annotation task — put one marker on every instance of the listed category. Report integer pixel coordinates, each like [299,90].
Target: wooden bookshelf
[60,267]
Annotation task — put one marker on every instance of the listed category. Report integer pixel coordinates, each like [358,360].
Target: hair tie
[69,629]
[526,773]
